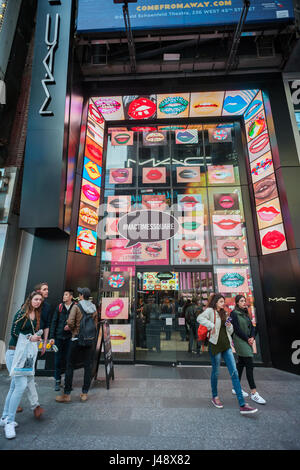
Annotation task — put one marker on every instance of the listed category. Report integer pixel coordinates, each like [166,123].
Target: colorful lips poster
[115,250]
[156,251]
[140,107]
[206,104]
[236,102]
[232,280]
[256,126]
[220,174]
[154,138]
[227,225]
[115,281]
[88,216]
[154,202]
[122,138]
[90,193]
[94,113]
[226,202]
[265,190]
[188,174]
[154,175]
[95,132]
[173,106]
[188,136]
[120,176]
[111,107]
[191,250]
[219,135]
[262,167]
[259,146]
[118,203]
[191,227]
[120,338]
[93,151]
[190,202]
[269,214]
[86,241]
[114,309]
[255,107]
[92,172]
[231,249]
[273,239]
[111,227]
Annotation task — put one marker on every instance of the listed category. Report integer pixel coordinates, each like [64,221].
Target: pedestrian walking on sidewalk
[214,318]
[243,338]
[61,335]
[84,310]
[27,322]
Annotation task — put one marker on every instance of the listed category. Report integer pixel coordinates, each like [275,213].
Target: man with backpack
[82,322]
[61,335]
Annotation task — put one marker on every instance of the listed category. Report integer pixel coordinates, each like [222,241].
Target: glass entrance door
[167,307]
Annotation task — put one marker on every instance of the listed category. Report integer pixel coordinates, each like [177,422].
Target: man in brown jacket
[84,353]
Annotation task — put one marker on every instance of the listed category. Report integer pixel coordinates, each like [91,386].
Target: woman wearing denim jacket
[214,318]
[27,322]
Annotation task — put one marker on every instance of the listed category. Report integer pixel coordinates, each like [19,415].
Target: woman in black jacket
[243,338]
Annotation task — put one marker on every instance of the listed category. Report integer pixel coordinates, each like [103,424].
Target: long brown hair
[212,303]
[27,308]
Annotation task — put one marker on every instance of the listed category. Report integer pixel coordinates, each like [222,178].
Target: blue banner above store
[105,15]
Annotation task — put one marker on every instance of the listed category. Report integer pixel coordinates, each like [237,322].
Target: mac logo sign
[282,299]
[48,62]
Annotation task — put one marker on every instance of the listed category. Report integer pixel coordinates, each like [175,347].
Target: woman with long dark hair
[243,337]
[214,318]
[27,322]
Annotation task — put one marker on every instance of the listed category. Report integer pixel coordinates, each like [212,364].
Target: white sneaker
[245,394]
[3,422]
[9,430]
[257,398]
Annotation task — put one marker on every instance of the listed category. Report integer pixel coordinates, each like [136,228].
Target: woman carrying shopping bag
[25,325]
[215,319]
[243,338]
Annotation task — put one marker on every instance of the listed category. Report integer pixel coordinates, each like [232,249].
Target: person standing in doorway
[191,320]
[61,335]
[85,353]
[167,312]
[214,318]
[243,337]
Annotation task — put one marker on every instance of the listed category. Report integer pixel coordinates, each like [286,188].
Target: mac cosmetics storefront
[165,193]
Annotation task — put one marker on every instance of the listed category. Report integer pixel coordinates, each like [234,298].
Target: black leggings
[248,363]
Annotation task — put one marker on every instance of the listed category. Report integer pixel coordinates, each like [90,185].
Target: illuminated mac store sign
[104,15]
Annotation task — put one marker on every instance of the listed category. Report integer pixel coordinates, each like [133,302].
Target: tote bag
[24,357]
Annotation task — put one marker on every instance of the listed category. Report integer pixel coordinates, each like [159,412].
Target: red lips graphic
[90,192]
[227,224]
[141,108]
[267,214]
[259,143]
[191,249]
[226,201]
[189,202]
[154,175]
[272,240]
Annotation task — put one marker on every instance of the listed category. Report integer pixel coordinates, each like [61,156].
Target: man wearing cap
[84,353]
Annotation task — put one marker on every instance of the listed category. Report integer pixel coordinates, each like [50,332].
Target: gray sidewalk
[160,408]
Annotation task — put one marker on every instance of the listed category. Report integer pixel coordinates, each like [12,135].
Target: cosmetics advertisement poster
[191,252]
[273,239]
[111,107]
[118,203]
[219,135]
[220,174]
[265,190]
[188,136]
[120,336]
[226,202]
[88,216]
[255,108]
[86,241]
[116,251]
[122,138]
[231,249]
[154,202]
[269,214]
[115,281]
[173,106]
[154,175]
[90,193]
[191,227]
[139,107]
[232,280]
[154,138]
[225,225]
[189,174]
[154,253]
[206,103]
[120,176]
[190,202]
[92,172]
[259,146]
[262,167]
[256,126]
[95,132]
[111,227]
[236,102]
[93,151]
[114,308]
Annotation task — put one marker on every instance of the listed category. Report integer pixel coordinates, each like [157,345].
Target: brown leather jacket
[75,317]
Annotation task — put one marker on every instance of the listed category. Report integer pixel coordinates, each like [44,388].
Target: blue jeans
[17,387]
[231,366]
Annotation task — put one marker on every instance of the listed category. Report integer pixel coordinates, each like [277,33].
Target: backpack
[87,329]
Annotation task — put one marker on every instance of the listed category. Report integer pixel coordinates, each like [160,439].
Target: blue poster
[104,15]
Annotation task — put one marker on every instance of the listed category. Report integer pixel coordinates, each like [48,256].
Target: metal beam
[237,37]
[131,46]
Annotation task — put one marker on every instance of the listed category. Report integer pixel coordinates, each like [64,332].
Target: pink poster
[114,308]
[154,175]
[221,174]
[231,248]
[232,280]
[120,176]
[225,225]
